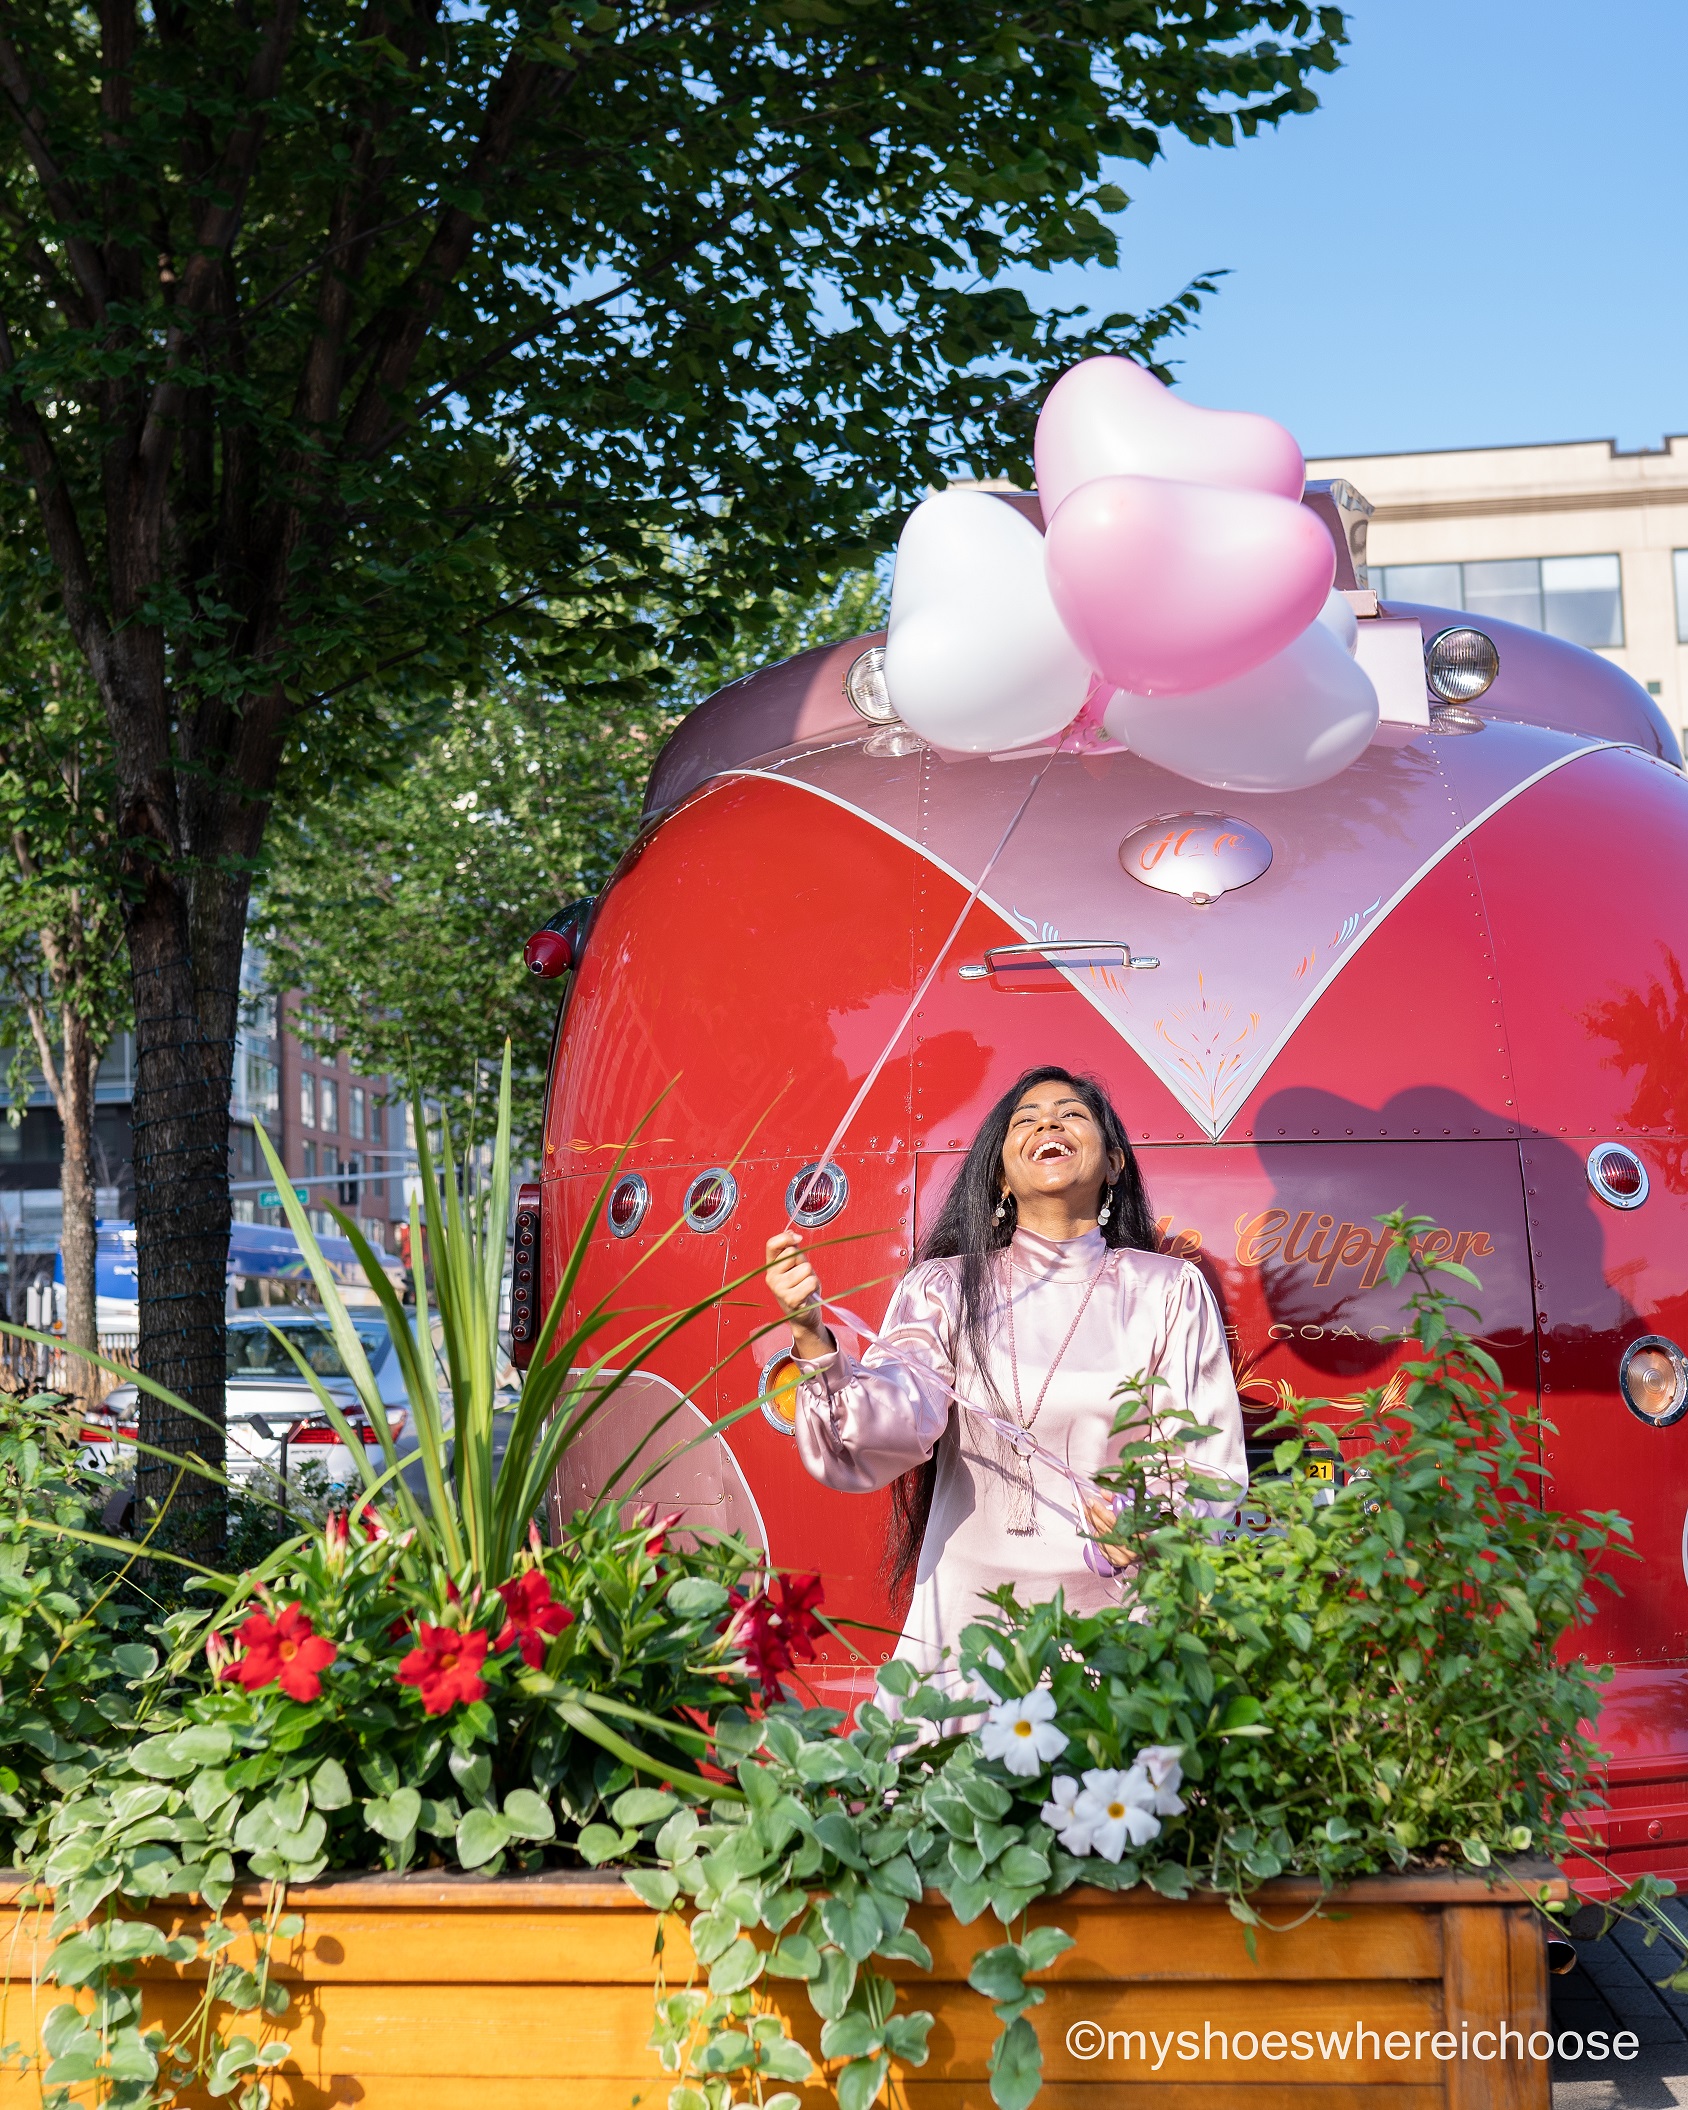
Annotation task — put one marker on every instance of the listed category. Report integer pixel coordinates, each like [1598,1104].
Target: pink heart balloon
[1111,417]
[1300,718]
[1168,587]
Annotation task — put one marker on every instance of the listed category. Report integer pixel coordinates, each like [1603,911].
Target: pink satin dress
[862,1421]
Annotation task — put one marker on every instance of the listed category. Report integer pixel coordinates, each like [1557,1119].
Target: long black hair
[967,1227]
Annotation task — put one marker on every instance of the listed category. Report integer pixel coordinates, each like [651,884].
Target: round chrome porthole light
[711,1199]
[625,1210]
[1617,1175]
[1653,1378]
[779,1394]
[1198,855]
[816,1195]
[864,684]
[1460,664]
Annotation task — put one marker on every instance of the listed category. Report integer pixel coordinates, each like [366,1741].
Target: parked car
[275,1426]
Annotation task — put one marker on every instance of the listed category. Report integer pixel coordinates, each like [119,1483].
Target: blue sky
[1477,240]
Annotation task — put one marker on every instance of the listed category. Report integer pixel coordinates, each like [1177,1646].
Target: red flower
[771,1633]
[657,1544]
[534,1616]
[444,1666]
[286,1651]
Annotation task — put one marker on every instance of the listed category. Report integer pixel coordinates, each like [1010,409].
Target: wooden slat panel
[1495,1977]
[1175,2095]
[1209,2019]
[571,1890]
[1169,1941]
[471,2031]
[501,2093]
[467,1947]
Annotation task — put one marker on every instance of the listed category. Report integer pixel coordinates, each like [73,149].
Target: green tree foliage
[401,908]
[350,350]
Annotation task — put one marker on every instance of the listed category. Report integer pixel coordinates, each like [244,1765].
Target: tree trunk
[185,964]
[76,1188]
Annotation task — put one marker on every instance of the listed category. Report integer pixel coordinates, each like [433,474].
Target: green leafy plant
[1358,1678]
[421,1680]
[64,1641]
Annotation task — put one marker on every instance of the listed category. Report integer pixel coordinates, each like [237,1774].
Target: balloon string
[931,974]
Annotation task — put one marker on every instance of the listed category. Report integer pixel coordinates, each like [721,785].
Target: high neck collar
[1056,1259]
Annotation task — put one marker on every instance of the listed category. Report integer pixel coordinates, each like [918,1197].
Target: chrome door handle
[1057,952]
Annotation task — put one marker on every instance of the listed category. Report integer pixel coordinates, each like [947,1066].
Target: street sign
[269,1198]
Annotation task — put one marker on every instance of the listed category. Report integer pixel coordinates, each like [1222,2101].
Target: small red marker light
[548,954]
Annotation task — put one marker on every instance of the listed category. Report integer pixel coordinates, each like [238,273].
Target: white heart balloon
[1303,716]
[1111,417]
[976,659]
[1339,619]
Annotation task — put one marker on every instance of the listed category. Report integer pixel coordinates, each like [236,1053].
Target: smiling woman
[987,1402]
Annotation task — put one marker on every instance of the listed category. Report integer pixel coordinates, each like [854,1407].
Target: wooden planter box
[428,1992]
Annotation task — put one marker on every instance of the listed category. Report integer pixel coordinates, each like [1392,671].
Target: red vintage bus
[1450,978]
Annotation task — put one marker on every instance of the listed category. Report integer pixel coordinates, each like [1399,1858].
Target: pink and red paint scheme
[1462,970]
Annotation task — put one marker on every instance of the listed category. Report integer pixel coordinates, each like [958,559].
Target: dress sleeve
[1196,1362]
[863,1421]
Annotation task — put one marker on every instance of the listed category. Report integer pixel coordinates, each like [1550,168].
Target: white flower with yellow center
[1058,1813]
[1162,1763]
[1114,1809]
[1022,1733]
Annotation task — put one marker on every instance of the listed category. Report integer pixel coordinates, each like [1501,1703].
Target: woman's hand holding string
[1102,1517]
[796,1290]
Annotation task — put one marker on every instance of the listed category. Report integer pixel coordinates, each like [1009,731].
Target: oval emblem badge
[1198,855]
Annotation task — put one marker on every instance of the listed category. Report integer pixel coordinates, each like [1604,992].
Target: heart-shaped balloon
[1300,718]
[976,658]
[1111,417]
[1169,587]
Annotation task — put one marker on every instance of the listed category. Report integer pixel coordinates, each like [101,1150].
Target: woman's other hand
[796,1290]
[1102,1517]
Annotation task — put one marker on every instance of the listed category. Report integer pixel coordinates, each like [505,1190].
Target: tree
[60,923]
[350,350]
[401,909]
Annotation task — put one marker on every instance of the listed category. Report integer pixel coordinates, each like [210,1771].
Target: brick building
[338,1137]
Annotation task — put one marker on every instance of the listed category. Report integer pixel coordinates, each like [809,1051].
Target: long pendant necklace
[1024,1443]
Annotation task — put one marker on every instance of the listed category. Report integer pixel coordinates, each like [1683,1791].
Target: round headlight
[1653,1378]
[1460,664]
[779,1395]
[816,1195]
[710,1199]
[864,684]
[1617,1175]
[625,1210]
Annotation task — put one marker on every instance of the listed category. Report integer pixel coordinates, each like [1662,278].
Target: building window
[1582,598]
[374,1119]
[349,1188]
[1679,564]
[310,1161]
[307,1098]
[374,1230]
[354,1111]
[1576,598]
[328,1105]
